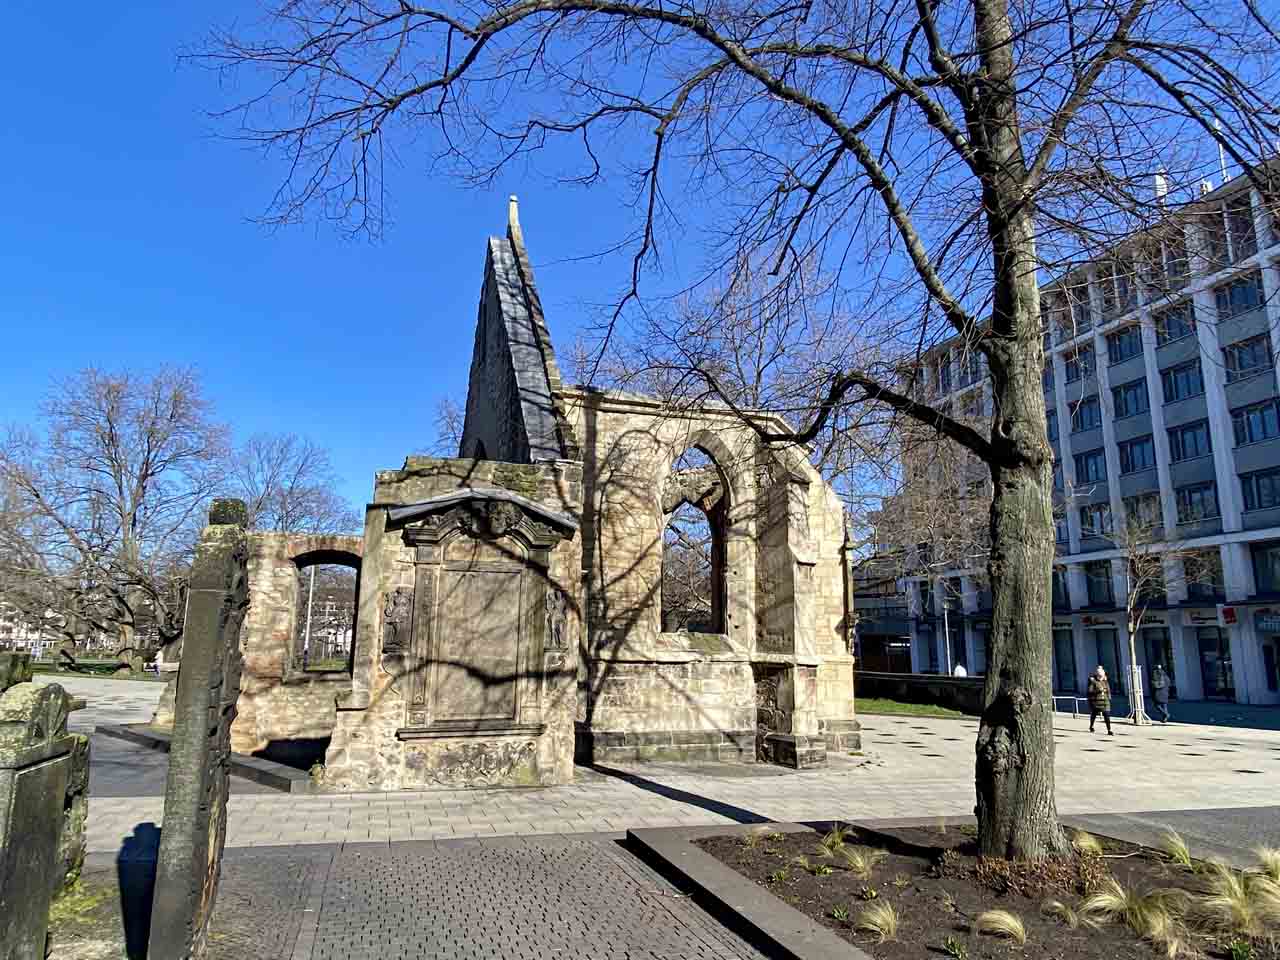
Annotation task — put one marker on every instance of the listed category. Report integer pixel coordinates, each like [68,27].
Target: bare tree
[288,483]
[1154,564]
[103,504]
[450,417]
[933,156]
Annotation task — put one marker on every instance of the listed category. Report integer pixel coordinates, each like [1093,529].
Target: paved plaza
[911,767]
[490,865]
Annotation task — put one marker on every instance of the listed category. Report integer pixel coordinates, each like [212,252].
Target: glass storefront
[1268,625]
[1215,663]
[1106,642]
[1157,648]
[1064,662]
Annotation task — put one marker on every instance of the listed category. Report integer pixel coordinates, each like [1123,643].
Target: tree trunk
[1017,814]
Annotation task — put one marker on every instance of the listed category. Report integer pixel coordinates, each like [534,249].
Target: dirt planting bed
[1114,902]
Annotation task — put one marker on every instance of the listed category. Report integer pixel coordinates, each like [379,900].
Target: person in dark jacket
[1100,699]
[1160,691]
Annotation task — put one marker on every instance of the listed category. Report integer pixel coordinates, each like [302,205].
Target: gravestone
[195,804]
[36,758]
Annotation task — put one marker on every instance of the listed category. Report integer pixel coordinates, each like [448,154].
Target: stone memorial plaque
[477,657]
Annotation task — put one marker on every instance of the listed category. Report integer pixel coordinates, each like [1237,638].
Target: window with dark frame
[1130,398]
[1144,509]
[1086,415]
[1198,501]
[1097,574]
[1189,441]
[1175,322]
[1247,357]
[1095,520]
[1051,423]
[1079,364]
[1137,454]
[1240,228]
[1091,467]
[1261,489]
[1258,421]
[1238,296]
[1124,344]
[1183,381]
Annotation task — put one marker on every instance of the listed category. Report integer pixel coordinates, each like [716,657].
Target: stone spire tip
[513,212]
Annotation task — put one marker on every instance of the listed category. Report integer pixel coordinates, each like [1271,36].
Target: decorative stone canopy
[409,512]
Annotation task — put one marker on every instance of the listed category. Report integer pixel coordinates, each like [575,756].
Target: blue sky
[127,244]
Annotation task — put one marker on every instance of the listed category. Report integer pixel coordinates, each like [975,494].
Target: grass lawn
[874,706]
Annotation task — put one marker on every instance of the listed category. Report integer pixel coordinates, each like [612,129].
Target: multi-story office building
[1160,386]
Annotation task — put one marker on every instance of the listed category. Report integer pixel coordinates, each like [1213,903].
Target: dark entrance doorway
[1215,664]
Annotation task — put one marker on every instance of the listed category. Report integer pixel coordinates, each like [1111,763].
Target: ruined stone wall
[371,748]
[646,690]
[279,702]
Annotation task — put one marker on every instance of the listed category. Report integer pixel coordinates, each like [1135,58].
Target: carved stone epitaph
[195,805]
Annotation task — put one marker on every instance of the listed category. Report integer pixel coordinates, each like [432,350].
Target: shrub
[836,838]
[879,919]
[1002,923]
[1175,848]
[1243,904]
[860,861]
[840,913]
[1086,844]
[1059,911]
[955,949]
[1269,862]
[868,893]
[1156,916]
[780,876]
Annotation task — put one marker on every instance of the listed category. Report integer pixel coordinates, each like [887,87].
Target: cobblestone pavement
[911,767]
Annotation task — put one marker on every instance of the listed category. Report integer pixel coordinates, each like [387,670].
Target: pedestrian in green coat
[1100,699]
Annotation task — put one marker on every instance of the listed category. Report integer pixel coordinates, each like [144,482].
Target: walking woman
[1100,699]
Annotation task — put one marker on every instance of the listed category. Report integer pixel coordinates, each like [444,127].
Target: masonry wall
[643,691]
[365,753]
[281,706]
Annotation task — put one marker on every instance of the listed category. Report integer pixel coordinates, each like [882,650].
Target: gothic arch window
[325,619]
[695,502]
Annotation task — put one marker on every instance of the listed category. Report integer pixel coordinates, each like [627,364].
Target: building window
[1060,600]
[1196,502]
[1095,520]
[324,625]
[1189,441]
[1114,281]
[970,368]
[1238,296]
[1184,380]
[1091,467]
[1202,571]
[1143,510]
[1130,398]
[1087,415]
[1175,323]
[1051,423]
[1057,476]
[694,586]
[1098,575]
[1137,454]
[1079,364]
[1260,421]
[1177,265]
[1081,313]
[1247,358]
[1124,343]
[1060,532]
[1261,489]
[1046,375]
[1240,231]
[942,376]
[1266,567]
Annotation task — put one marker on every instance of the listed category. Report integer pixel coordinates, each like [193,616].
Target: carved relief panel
[480,622]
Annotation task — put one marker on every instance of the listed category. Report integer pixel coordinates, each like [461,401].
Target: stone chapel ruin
[510,603]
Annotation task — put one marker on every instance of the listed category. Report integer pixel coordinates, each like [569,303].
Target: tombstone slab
[195,806]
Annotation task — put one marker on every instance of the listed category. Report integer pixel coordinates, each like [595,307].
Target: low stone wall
[956,693]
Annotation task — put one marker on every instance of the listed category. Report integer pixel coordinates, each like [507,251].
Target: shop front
[1267,624]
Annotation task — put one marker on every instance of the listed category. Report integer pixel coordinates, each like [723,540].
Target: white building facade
[1162,401]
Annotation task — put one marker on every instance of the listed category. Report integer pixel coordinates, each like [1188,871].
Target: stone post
[195,803]
[35,769]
